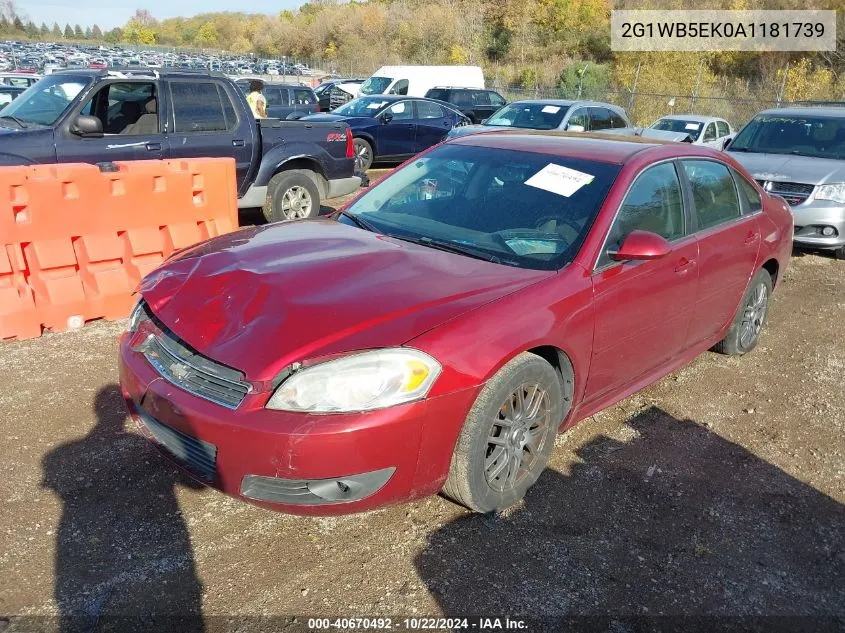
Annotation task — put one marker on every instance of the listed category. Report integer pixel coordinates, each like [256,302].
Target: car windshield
[365,106]
[678,125]
[818,137]
[534,116]
[511,207]
[45,101]
[375,85]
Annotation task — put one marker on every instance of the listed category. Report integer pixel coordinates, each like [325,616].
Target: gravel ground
[718,491]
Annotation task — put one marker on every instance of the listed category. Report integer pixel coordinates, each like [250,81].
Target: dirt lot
[718,491]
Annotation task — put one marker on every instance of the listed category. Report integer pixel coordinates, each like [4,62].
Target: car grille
[191,371]
[198,456]
[793,192]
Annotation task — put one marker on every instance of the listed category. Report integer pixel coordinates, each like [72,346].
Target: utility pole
[581,74]
[782,85]
[634,90]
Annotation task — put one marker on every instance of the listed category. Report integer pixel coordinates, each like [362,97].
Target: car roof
[569,103]
[279,84]
[589,146]
[691,117]
[832,112]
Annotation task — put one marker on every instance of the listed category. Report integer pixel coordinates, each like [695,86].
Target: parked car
[799,154]
[333,94]
[285,101]
[493,290]
[93,116]
[393,128]
[702,130]
[23,80]
[415,81]
[552,114]
[477,105]
[9,94]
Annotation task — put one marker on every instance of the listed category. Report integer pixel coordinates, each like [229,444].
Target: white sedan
[702,130]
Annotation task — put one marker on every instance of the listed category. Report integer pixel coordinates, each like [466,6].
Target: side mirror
[387,117]
[84,125]
[642,246]
[728,142]
[484,121]
[574,128]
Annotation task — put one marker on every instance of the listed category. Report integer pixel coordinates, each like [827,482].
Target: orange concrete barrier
[75,240]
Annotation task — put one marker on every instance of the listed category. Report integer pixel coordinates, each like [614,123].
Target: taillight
[350,149]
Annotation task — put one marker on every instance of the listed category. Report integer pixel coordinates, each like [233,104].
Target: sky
[111,13]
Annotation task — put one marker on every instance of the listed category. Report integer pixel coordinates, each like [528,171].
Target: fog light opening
[828,231]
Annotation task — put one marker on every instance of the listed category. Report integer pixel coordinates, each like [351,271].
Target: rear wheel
[363,154]
[291,195]
[507,437]
[745,330]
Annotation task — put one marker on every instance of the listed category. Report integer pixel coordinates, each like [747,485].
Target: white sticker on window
[559,179]
[692,126]
[376,105]
[399,108]
[551,109]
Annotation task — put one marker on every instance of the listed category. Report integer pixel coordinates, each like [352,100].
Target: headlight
[137,315]
[834,193]
[362,382]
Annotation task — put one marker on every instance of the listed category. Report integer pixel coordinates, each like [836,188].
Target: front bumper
[343,186]
[294,462]
[810,216]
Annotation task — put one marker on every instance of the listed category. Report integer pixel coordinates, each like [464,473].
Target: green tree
[19,26]
[56,33]
[88,33]
[68,32]
[96,33]
[206,37]
[44,31]
[115,36]
[78,33]
[31,30]
[583,80]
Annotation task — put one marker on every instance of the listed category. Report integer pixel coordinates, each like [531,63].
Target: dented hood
[261,298]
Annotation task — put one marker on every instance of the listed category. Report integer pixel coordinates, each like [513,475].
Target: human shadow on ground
[676,522]
[124,560]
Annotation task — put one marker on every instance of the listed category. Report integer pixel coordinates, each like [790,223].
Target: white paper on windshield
[399,108]
[692,126]
[376,105]
[559,179]
[551,109]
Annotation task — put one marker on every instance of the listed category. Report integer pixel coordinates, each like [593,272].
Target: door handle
[684,266]
[153,147]
[751,238]
[238,142]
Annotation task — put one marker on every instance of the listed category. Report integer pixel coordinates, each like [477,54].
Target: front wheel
[363,154]
[507,437]
[745,330]
[291,195]
[839,253]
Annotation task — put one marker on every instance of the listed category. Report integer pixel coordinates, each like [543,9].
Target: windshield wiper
[20,123]
[361,224]
[454,247]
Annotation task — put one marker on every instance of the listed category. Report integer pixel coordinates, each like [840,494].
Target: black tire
[839,253]
[363,153]
[301,187]
[469,482]
[750,317]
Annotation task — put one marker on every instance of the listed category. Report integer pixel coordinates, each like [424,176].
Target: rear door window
[302,96]
[276,96]
[600,119]
[713,192]
[428,110]
[616,120]
[749,194]
[197,107]
[579,117]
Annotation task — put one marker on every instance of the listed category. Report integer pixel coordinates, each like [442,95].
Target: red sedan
[439,331]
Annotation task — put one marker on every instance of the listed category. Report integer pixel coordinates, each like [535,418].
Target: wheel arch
[773,268]
[305,164]
[561,363]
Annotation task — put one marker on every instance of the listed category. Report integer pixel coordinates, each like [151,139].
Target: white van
[415,81]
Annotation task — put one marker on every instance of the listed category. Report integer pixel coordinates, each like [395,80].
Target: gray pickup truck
[93,116]
[799,154]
